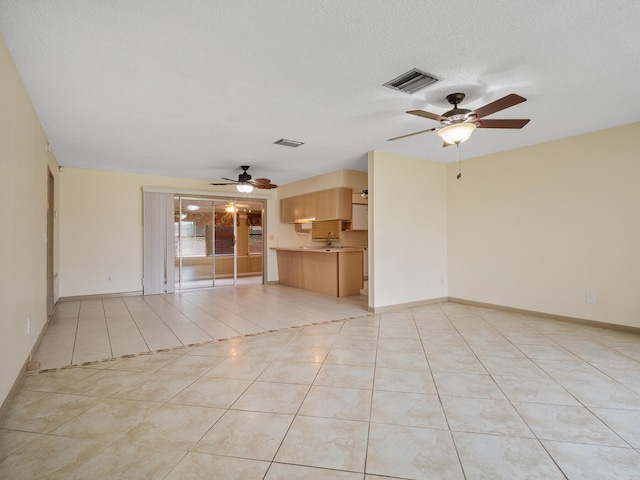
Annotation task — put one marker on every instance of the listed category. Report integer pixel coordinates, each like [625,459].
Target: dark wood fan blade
[260,180]
[263,183]
[411,134]
[429,115]
[500,104]
[234,183]
[230,179]
[506,123]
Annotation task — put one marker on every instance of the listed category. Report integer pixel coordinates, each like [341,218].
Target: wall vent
[288,143]
[412,81]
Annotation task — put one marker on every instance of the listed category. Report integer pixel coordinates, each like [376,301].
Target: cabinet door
[300,209]
[287,210]
[343,203]
[324,204]
[314,206]
[331,204]
[360,218]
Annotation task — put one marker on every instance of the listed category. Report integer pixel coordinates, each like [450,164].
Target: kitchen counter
[330,249]
[334,270]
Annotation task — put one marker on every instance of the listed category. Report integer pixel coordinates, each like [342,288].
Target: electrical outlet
[590,297]
[442,282]
[108,278]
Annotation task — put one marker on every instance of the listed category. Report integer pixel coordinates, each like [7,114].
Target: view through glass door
[218,242]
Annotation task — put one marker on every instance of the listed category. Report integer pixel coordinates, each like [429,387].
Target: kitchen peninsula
[330,270]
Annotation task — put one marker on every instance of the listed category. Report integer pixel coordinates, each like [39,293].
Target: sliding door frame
[261,198]
[210,247]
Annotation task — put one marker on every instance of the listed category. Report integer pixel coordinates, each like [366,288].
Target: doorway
[217,242]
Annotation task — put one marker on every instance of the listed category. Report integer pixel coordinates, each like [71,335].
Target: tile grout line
[373,389]
[444,412]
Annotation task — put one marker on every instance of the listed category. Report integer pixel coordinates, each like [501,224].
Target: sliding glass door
[217,241]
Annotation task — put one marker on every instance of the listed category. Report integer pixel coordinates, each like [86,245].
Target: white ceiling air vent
[288,143]
[412,81]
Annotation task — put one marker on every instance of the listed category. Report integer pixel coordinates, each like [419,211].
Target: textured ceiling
[196,88]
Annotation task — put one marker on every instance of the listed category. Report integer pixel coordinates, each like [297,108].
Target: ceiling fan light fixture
[244,188]
[457,133]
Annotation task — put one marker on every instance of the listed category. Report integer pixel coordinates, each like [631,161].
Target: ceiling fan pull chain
[459,166]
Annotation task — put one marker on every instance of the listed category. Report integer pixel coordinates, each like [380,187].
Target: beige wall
[102,228]
[24,165]
[407,230]
[538,227]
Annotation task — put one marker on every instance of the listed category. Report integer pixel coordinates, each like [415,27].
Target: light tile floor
[441,391]
[93,330]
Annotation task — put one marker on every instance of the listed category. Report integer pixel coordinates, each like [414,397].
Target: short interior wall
[407,229]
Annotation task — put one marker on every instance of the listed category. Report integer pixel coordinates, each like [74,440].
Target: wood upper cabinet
[314,205]
[360,218]
[330,204]
[288,210]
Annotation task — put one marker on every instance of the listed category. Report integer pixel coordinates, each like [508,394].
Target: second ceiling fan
[459,123]
[245,183]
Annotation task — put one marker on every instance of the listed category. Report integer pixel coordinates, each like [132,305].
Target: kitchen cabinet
[360,217]
[331,271]
[330,204]
[288,210]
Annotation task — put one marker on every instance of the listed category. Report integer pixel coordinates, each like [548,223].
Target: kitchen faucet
[330,236]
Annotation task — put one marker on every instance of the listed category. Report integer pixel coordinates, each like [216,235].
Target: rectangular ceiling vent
[412,81]
[288,143]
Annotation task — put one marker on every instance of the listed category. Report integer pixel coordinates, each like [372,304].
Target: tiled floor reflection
[443,391]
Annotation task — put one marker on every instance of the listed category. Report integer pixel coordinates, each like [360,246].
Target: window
[224,240]
[194,239]
[255,240]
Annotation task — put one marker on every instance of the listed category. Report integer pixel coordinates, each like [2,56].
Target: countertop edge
[320,250]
